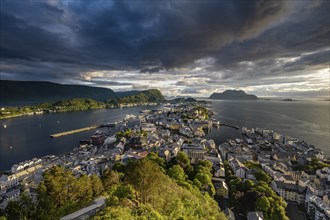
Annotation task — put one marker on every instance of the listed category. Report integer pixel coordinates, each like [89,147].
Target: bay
[26,137]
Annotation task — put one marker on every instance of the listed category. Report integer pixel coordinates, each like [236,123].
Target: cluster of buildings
[173,128]
[293,166]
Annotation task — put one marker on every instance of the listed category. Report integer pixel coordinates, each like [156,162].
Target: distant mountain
[150,95]
[233,95]
[288,100]
[180,100]
[33,92]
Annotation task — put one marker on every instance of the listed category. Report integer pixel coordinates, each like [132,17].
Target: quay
[231,126]
[73,131]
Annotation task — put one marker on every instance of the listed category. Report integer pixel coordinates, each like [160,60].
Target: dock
[73,131]
[231,126]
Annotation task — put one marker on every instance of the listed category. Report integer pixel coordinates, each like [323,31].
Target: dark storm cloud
[304,30]
[120,34]
[218,42]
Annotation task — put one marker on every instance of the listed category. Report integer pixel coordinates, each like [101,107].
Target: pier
[231,126]
[73,131]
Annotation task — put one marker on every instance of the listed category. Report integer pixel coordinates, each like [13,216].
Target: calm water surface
[305,120]
[29,136]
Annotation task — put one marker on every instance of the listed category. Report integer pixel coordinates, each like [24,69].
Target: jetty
[231,126]
[73,131]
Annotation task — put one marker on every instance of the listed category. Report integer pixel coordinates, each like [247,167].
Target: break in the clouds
[181,47]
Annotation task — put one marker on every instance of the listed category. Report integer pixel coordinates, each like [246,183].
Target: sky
[187,48]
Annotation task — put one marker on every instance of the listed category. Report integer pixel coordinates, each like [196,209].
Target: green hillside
[30,92]
[143,189]
[151,95]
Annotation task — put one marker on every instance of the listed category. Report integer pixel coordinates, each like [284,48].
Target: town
[295,172]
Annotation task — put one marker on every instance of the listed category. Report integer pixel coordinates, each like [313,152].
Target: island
[233,95]
[288,100]
[182,99]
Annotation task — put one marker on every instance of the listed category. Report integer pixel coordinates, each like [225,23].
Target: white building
[194,151]
[26,164]
[289,192]
[238,168]
[316,208]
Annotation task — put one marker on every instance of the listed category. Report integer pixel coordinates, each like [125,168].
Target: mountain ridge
[233,95]
[20,93]
[43,91]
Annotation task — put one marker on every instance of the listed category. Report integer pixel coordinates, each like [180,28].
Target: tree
[84,190]
[157,159]
[27,206]
[61,192]
[182,159]
[13,210]
[206,183]
[146,177]
[204,163]
[176,172]
[110,178]
[97,185]
[262,204]
[262,176]
[119,167]
[115,213]
[124,191]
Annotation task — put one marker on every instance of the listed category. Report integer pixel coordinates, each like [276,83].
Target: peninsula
[233,95]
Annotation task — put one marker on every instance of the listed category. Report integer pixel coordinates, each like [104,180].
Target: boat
[145,111]
[98,132]
[215,123]
[130,116]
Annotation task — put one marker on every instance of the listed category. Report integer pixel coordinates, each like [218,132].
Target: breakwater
[73,131]
[231,126]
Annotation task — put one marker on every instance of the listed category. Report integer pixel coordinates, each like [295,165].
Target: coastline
[48,111]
